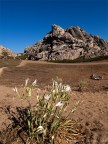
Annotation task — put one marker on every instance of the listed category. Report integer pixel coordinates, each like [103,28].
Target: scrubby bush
[43,122]
[4,53]
[22,56]
[81,59]
[81,85]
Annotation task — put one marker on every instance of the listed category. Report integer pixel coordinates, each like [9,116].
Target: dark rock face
[70,43]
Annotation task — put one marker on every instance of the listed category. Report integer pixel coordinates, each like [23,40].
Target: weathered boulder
[96,77]
[70,43]
[57,31]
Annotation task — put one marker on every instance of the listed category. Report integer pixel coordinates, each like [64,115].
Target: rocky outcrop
[6,53]
[70,43]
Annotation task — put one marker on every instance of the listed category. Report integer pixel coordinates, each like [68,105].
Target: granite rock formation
[6,53]
[70,43]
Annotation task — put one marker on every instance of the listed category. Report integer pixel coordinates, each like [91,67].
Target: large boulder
[70,43]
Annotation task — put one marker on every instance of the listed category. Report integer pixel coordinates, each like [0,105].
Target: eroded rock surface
[70,43]
[5,52]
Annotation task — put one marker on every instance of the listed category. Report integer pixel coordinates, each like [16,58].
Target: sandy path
[25,62]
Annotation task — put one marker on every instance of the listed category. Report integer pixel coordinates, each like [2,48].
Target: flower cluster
[45,117]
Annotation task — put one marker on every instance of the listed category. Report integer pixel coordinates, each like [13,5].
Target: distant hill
[67,44]
[6,53]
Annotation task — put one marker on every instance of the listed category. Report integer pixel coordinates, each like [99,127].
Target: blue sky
[24,22]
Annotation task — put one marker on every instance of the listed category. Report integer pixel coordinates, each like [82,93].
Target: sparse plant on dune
[81,85]
[44,122]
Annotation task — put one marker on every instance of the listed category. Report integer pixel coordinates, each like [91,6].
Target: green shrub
[4,53]
[98,58]
[22,57]
[44,121]
[81,85]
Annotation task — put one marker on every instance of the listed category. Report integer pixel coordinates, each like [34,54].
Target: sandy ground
[25,62]
[2,69]
[92,112]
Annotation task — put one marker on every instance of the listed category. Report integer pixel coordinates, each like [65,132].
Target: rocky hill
[6,53]
[70,43]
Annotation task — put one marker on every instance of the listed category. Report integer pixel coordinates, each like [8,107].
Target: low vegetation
[99,58]
[81,85]
[22,56]
[44,122]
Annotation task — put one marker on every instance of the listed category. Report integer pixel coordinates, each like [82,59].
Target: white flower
[40,130]
[36,109]
[15,89]
[55,83]
[62,90]
[26,82]
[53,137]
[34,83]
[60,85]
[47,97]
[44,115]
[53,91]
[67,88]
[59,104]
